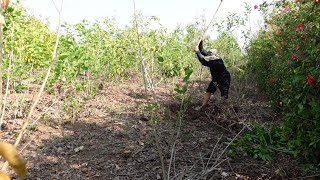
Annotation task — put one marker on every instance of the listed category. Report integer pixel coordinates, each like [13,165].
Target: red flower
[278,32]
[297,1]
[294,56]
[272,81]
[317,1]
[256,7]
[310,80]
[300,26]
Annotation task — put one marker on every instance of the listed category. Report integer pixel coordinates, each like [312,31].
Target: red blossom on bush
[317,1]
[310,80]
[278,32]
[294,56]
[300,26]
[256,7]
[271,81]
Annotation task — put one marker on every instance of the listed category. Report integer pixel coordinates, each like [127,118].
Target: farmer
[220,76]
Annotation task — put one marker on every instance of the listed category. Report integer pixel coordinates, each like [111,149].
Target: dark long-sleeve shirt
[202,50]
[217,67]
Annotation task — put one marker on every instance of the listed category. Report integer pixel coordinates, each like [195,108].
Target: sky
[170,12]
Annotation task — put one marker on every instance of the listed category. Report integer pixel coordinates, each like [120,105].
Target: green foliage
[261,143]
[90,53]
[72,106]
[175,53]
[28,41]
[182,89]
[104,51]
[153,109]
[286,58]
[310,169]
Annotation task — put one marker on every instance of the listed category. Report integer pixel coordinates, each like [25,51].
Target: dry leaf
[5,4]
[77,149]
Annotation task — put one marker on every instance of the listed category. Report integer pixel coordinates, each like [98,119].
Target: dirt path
[112,138]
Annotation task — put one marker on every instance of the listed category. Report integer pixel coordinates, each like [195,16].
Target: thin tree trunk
[146,77]
[1,55]
[7,91]
[148,81]
[8,81]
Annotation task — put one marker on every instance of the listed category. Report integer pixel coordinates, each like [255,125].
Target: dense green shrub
[285,55]
[28,42]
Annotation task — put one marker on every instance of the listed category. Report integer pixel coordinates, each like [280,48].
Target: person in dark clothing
[220,75]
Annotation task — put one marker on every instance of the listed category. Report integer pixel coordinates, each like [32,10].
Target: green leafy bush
[285,55]
[28,42]
[263,142]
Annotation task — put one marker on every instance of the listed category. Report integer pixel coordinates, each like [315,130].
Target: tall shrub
[286,57]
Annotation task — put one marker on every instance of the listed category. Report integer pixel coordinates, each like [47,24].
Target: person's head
[212,55]
[213,52]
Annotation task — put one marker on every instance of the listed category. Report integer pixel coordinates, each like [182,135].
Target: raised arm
[201,59]
[202,50]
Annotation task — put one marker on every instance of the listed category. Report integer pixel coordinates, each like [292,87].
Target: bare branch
[55,6]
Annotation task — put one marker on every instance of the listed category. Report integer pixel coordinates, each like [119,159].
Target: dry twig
[213,167]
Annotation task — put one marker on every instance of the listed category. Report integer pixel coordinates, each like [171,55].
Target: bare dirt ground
[112,137]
